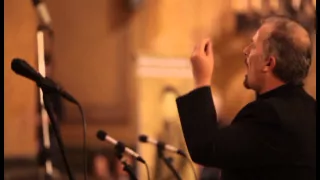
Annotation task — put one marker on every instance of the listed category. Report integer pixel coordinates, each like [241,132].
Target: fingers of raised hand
[204,48]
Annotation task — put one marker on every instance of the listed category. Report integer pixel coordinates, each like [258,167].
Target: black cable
[166,160]
[48,107]
[126,167]
[148,171]
[193,169]
[85,169]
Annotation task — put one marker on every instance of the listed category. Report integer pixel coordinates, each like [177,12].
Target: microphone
[22,68]
[145,139]
[42,12]
[119,146]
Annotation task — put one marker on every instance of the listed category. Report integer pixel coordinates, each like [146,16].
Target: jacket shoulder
[259,110]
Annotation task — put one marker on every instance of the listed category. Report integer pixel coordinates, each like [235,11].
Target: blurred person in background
[101,167]
[273,137]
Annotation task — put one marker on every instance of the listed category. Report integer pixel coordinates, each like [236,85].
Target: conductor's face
[254,61]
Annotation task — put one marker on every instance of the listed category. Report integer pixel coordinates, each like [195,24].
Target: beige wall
[97,43]
[163,31]
[154,75]
[94,62]
[171,28]
[20,25]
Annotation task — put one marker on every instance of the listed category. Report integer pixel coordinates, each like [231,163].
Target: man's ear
[270,64]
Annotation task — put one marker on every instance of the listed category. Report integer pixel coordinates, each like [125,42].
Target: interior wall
[20,23]
[157,33]
[162,29]
[93,61]
[96,46]
[154,77]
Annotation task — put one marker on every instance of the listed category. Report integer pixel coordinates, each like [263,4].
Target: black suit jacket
[273,137]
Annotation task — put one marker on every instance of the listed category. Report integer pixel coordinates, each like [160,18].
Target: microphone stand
[49,109]
[166,160]
[126,166]
[44,115]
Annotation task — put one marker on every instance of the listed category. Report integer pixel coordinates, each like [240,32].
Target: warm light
[274,4]
[240,5]
[296,4]
[169,108]
[256,4]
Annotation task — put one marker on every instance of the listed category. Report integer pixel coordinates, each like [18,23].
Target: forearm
[199,122]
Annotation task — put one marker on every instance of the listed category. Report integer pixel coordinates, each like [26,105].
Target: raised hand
[202,61]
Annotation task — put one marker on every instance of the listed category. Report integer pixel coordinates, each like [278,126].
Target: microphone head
[143,138]
[101,135]
[22,68]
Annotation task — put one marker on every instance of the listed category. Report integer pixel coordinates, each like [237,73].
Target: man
[210,173]
[273,137]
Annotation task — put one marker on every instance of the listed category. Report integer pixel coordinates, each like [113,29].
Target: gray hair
[290,44]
